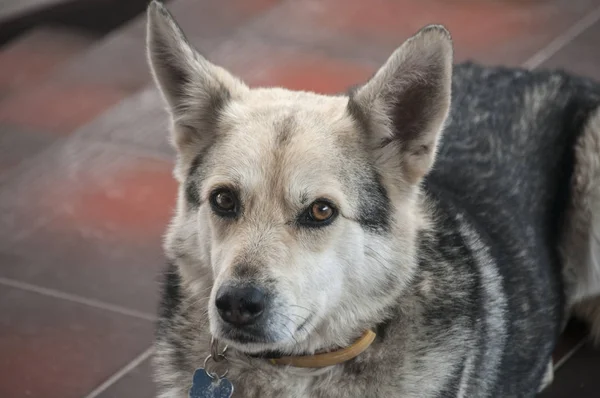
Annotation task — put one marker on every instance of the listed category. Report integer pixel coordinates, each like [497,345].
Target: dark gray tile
[88,220]
[88,263]
[54,348]
[581,56]
[18,145]
[578,377]
[574,334]
[140,121]
[137,383]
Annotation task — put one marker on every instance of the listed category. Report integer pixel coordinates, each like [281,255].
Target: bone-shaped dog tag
[210,386]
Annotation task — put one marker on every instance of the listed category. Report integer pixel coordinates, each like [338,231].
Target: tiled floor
[86,188]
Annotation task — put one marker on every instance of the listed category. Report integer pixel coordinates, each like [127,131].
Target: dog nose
[240,306]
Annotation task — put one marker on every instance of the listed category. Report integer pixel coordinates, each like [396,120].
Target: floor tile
[141,121]
[87,263]
[581,56]
[573,336]
[17,145]
[206,20]
[578,377]
[120,60]
[136,384]
[53,348]
[488,31]
[101,212]
[264,64]
[58,107]
[15,8]
[37,53]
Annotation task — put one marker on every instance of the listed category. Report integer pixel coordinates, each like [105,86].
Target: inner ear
[195,90]
[404,106]
[412,110]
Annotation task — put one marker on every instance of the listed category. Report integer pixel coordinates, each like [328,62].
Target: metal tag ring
[212,375]
[214,350]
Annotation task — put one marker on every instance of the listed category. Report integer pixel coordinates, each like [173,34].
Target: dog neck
[325,358]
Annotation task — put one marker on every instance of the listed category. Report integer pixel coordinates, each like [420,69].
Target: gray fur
[447,239]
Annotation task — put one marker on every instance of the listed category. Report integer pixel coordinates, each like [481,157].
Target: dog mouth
[243,337]
[258,340]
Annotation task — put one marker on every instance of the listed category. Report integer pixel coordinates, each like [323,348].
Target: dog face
[297,212]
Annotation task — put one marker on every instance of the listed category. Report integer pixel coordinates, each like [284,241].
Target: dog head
[298,212]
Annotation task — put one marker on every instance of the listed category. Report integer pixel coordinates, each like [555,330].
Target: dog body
[332,215]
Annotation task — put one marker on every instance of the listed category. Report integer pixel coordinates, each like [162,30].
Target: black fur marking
[245,271]
[382,330]
[169,310]
[192,194]
[195,177]
[285,127]
[375,208]
[210,112]
[171,296]
[192,183]
[357,113]
[452,386]
[304,198]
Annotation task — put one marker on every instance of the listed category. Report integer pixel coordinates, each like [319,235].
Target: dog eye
[224,203]
[318,214]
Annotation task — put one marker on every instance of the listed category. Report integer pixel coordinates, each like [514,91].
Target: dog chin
[251,343]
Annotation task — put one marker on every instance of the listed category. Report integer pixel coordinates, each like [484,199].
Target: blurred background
[85,166]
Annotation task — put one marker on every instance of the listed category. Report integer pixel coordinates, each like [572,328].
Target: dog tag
[207,386]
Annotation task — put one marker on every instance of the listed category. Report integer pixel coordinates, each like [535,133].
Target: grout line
[121,373]
[569,354]
[562,40]
[76,299]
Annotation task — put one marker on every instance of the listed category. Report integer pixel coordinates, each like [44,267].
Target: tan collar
[328,358]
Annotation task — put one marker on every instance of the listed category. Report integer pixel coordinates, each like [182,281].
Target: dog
[426,235]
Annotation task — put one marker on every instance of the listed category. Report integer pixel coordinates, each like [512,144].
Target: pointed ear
[403,108]
[194,89]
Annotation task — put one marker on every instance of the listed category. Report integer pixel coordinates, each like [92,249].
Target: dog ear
[404,106]
[194,89]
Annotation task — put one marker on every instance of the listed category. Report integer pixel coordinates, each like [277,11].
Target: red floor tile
[136,384]
[308,73]
[134,201]
[58,107]
[105,213]
[54,348]
[489,31]
[260,64]
[36,54]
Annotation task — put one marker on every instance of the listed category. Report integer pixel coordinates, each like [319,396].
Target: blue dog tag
[205,386]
